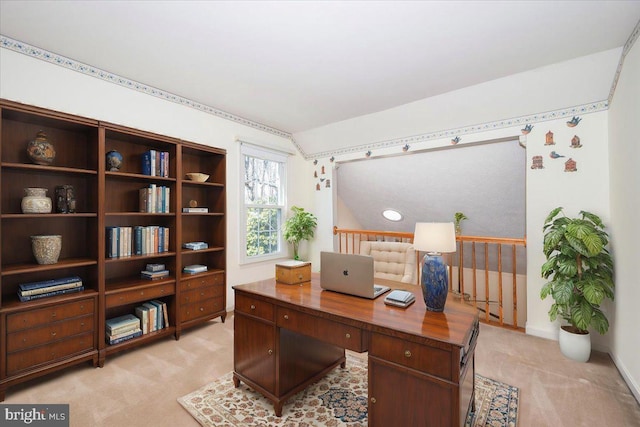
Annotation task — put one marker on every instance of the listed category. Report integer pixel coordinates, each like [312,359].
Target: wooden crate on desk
[293,272]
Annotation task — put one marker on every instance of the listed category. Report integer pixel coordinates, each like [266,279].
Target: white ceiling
[299,65]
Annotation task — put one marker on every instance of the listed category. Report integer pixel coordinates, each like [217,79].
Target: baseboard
[631,383]
[550,334]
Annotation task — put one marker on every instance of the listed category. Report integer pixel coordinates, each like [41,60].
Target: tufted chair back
[392,260]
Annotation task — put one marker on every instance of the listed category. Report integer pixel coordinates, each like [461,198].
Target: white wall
[624,157]
[35,82]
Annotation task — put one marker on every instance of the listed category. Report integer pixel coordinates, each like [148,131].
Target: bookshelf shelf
[105,199]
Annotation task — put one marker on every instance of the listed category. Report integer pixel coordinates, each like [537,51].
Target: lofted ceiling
[299,65]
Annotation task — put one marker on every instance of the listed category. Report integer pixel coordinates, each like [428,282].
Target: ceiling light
[392,215]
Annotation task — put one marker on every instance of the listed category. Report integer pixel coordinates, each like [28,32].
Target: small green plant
[579,268]
[458,217]
[299,227]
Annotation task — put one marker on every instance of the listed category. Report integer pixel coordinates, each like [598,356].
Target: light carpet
[338,400]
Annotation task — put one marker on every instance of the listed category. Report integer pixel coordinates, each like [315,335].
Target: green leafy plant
[579,268]
[299,227]
[457,219]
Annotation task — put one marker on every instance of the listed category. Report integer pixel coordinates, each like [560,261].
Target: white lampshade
[435,237]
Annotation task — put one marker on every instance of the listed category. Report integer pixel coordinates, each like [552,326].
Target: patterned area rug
[338,400]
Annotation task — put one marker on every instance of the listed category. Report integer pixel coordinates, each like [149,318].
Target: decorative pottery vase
[435,282]
[40,150]
[114,161]
[575,346]
[65,199]
[46,249]
[35,200]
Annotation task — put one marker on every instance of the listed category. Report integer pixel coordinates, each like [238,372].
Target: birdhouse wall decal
[318,187]
[570,166]
[575,142]
[549,139]
[536,162]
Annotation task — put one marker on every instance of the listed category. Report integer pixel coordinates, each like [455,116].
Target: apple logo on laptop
[345,273]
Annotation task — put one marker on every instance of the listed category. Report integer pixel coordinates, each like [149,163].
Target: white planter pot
[575,346]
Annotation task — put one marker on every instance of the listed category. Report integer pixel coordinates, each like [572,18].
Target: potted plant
[580,273]
[299,227]
[457,219]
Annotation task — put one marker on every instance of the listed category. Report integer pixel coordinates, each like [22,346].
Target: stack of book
[194,268]
[154,199]
[195,245]
[48,288]
[153,316]
[137,240]
[122,328]
[154,271]
[155,163]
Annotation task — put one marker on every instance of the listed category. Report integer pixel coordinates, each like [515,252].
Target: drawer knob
[53,314]
[53,334]
[253,307]
[407,353]
[201,308]
[286,317]
[300,276]
[81,306]
[270,352]
[373,400]
[141,292]
[201,294]
[347,335]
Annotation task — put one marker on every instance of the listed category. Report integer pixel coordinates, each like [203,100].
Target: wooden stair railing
[491,275]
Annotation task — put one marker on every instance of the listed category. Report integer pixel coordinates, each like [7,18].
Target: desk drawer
[58,350]
[202,281]
[254,307]
[43,316]
[201,308]
[432,360]
[48,333]
[201,294]
[141,294]
[329,331]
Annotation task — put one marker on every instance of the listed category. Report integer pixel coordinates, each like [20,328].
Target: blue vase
[435,282]
[114,161]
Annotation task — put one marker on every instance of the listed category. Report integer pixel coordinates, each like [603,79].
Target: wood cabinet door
[402,397]
[254,351]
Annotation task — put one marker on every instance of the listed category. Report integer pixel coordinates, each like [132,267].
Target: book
[124,338]
[124,328]
[121,321]
[154,274]
[124,333]
[143,314]
[195,210]
[194,268]
[195,245]
[159,315]
[24,298]
[50,288]
[155,267]
[153,316]
[46,283]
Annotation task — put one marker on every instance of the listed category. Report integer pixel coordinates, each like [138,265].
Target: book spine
[143,314]
[166,239]
[123,328]
[47,283]
[50,288]
[153,163]
[146,163]
[50,294]
[123,334]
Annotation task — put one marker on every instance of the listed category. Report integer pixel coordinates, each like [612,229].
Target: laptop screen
[349,274]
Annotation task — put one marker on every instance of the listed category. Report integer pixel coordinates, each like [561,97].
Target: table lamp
[434,238]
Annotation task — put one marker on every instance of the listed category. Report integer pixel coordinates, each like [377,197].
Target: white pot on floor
[573,345]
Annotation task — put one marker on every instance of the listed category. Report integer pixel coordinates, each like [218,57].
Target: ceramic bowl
[198,177]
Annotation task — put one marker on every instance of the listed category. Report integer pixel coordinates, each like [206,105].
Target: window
[263,204]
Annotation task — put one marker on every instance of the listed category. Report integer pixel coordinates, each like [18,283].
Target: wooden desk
[420,364]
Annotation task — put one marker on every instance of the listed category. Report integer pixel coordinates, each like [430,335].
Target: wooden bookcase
[48,334]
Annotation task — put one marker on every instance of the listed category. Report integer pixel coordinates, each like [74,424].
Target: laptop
[349,274]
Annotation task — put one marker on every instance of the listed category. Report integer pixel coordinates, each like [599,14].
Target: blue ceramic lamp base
[435,281]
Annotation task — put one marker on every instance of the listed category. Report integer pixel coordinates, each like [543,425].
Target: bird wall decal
[574,121]
[555,155]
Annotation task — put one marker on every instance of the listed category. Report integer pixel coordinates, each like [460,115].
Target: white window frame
[247,149]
